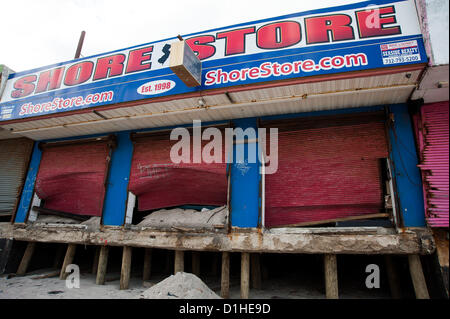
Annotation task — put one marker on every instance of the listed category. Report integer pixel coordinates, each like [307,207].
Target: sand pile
[180,286]
[186,218]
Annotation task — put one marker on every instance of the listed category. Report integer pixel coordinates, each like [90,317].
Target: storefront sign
[353,37]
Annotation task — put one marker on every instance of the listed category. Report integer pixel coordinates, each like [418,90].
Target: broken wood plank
[102,265]
[126,268]
[418,279]
[255,271]
[52,274]
[196,263]
[147,264]
[179,261]
[331,279]
[245,274]
[328,221]
[68,259]
[225,276]
[25,262]
[46,211]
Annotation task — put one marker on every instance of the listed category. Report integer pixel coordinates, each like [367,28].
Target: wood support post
[147,264]
[245,274]
[418,279]
[102,265]
[95,262]
[393,278]
[23,266]
[196,263]
[126,268]
[68,259]
[255,271]
[331,279]
[225,276]
[179,261]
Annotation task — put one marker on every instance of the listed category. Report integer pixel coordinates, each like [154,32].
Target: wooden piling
[418,279]
[225,276]
[126,268]
[245,274]
[102,265]
[331,280]
[179,261]
[24,263]
[68,259]
[147,264]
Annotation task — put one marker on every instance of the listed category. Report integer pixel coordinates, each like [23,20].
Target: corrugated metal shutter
[328,168]
[160,183]
[434,137]
[71,178]
[14,158]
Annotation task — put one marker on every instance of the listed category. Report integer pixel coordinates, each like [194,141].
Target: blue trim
[245,195]
[28,188]
[406,173]
[114,209]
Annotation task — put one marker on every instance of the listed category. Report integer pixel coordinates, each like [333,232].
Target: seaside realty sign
[326,41]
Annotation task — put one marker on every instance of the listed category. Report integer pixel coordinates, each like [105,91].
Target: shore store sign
[362,36]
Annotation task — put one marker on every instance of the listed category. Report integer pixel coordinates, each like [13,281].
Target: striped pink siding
[433,141]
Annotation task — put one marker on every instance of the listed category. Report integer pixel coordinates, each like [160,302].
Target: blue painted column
[28,187]
[245,178]
[114,208]
[406,173]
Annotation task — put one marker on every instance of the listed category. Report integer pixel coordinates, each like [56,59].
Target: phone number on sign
[401,59]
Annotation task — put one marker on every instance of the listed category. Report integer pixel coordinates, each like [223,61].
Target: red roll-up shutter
[159,183]
[71,178]
[327,170]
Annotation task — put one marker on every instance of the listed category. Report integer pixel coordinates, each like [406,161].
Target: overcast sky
[37,33]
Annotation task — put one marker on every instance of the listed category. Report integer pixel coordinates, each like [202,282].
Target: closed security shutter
[159,183]
[434,135]
[328,168]
[71,178]
[14,158]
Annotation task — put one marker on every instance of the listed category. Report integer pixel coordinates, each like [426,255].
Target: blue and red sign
[357,37]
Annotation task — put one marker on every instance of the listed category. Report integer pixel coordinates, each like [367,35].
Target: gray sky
[36,33]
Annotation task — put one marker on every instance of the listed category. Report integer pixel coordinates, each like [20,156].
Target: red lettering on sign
[24,86]
[278,35]
[318,29]
[201,48]
[136,59]
[50,80]
[235,40]
[371,22]
[78,73]
[109,66]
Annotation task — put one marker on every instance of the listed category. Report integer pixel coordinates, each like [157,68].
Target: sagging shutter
[14,157]
[328,168]
[434,136]
[159,183]
[71,178]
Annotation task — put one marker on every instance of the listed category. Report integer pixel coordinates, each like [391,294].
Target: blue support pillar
[245,179]
[28,187]
[406,173]
[114,208]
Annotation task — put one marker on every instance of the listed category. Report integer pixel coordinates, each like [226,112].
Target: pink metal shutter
[433,140]
[71,178]
[326,173]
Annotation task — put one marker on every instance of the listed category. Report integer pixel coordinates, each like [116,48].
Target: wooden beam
[331,280]
[126,268]
[255,270]
[95,261]
[147,264]
[196,263]
[24,263]
[179,261]
[418,279]
[68,259]
[102,265]
[328,221]
[245,275]
[46,211]
[225,276]
[393,278]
